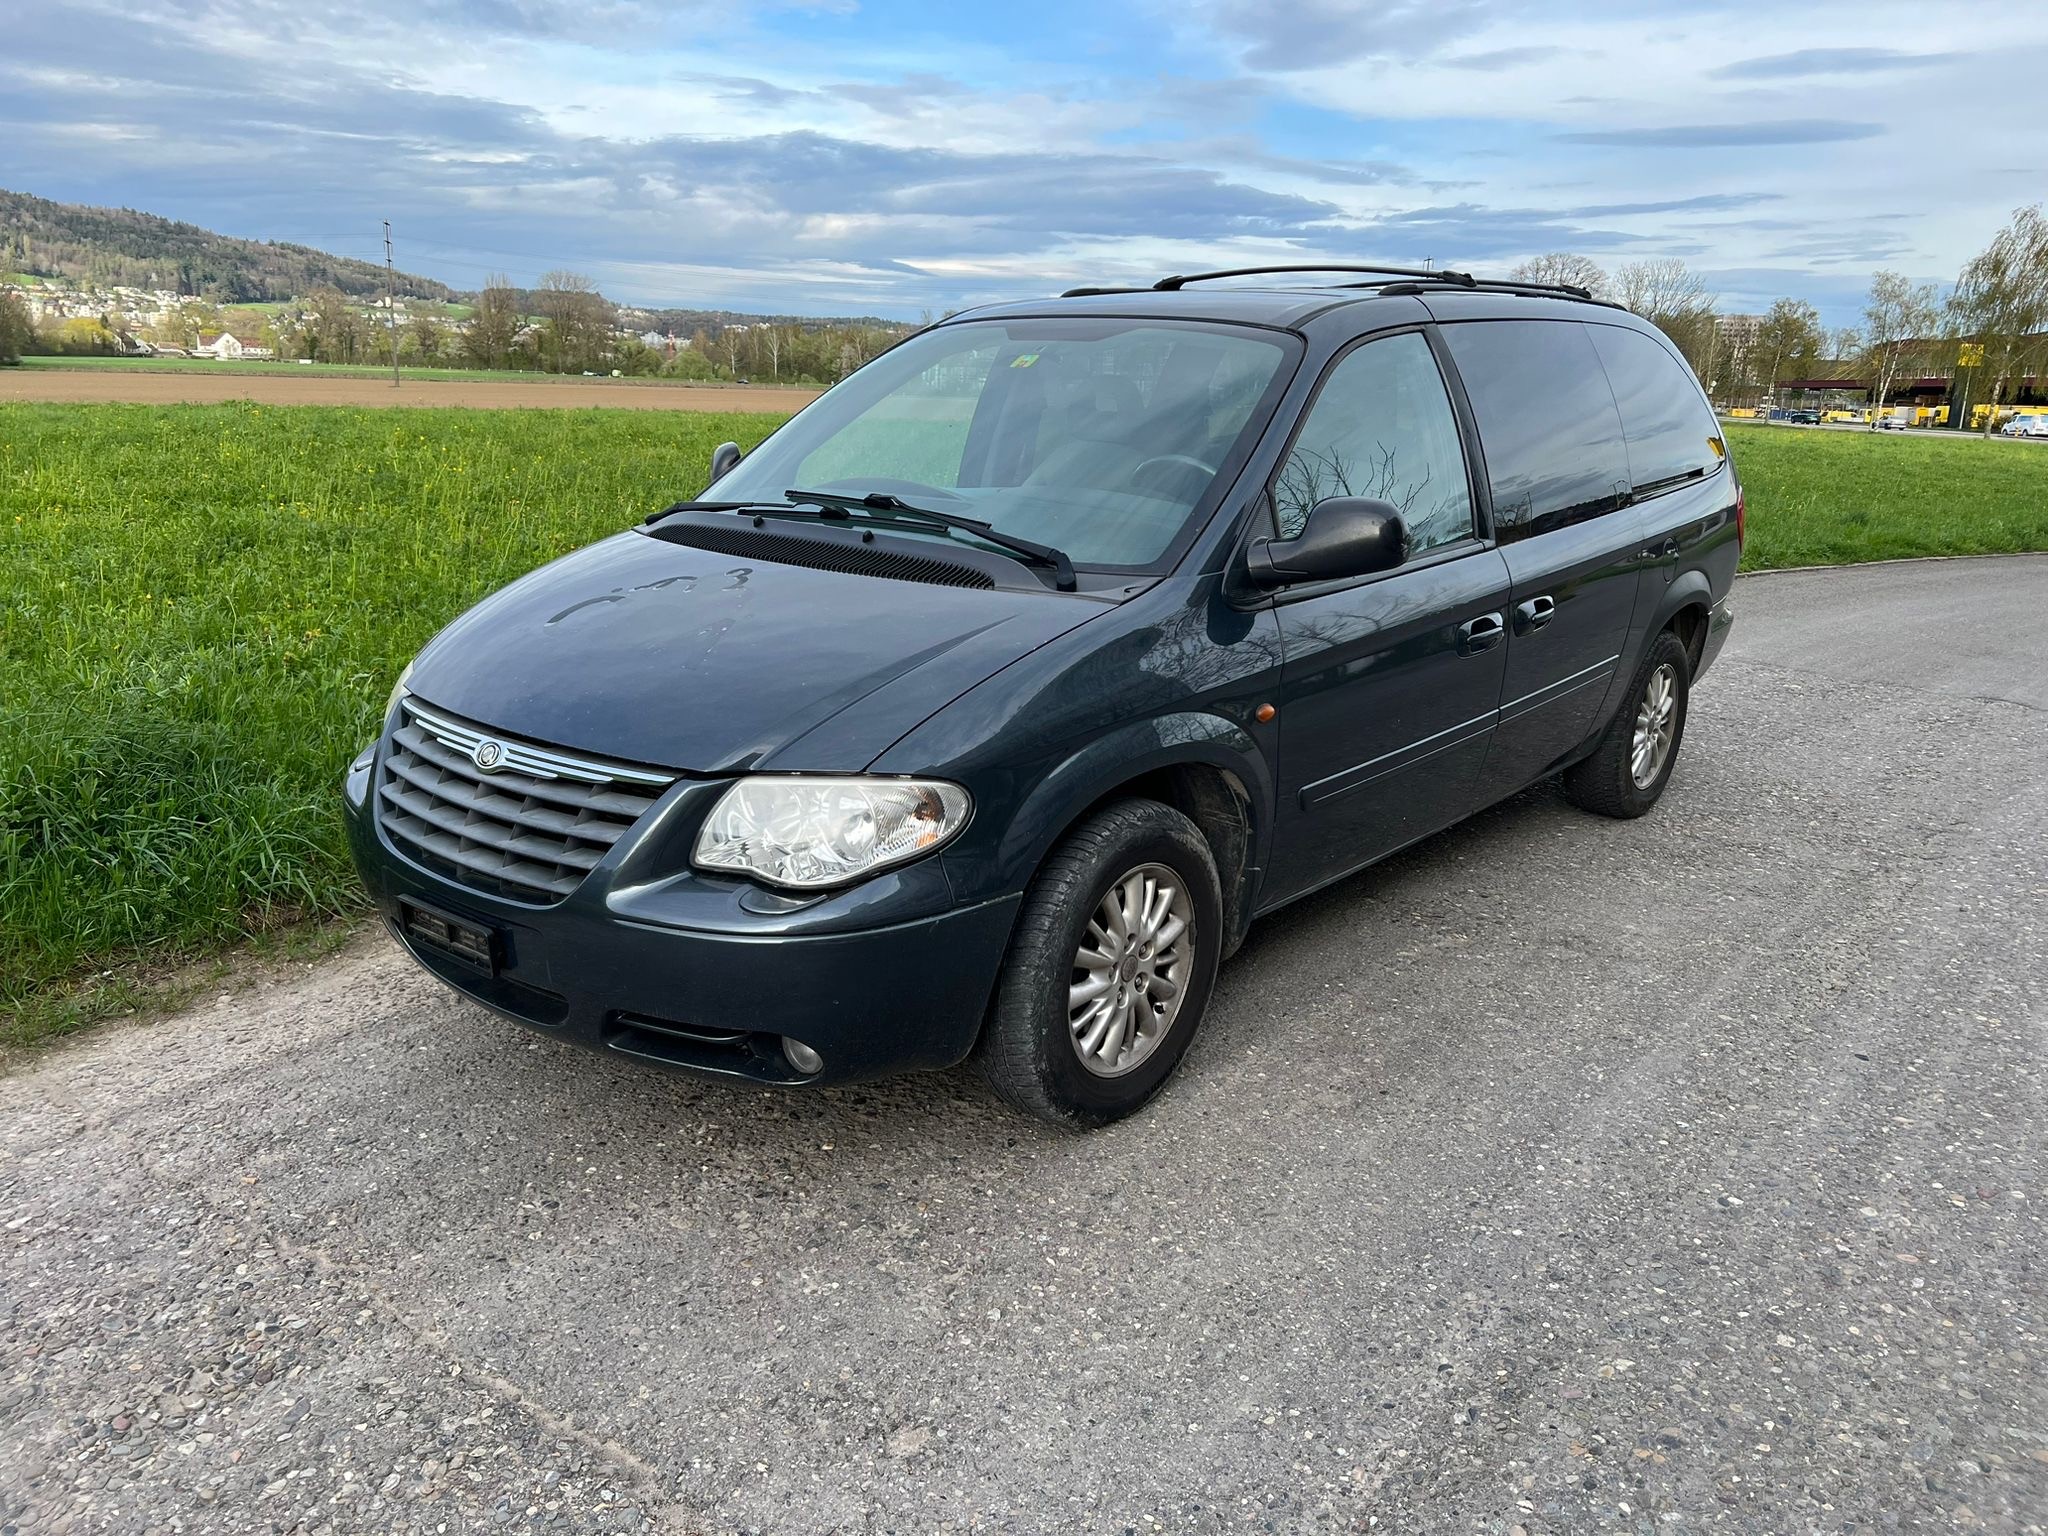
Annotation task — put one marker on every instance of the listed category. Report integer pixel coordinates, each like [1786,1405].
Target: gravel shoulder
[1569,1175]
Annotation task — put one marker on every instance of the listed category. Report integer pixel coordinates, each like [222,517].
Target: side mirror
[1344,536]
[725,458]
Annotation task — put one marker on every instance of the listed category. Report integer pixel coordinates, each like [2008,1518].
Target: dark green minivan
[982,708]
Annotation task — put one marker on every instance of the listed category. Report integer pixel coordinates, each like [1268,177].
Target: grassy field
[1836,498]
[202,608]
[201,611]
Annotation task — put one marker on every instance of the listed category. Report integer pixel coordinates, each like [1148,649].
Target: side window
[1672,436]
[1382,427]
[1554,452]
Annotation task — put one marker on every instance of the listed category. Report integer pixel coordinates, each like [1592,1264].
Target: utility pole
[390,304]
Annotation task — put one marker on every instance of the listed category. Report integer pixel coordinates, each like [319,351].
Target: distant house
[226,344]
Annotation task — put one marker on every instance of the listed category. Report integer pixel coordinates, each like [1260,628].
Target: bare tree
[576,322]
[492,324]
[1789,340]
[1898,319]
[2001,301]
[1677,301]
[1564,267]
[17,330]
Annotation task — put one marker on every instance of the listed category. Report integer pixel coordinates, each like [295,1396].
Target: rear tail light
[1741,516]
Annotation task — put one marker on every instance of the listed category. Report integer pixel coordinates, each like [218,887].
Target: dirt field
[283,389]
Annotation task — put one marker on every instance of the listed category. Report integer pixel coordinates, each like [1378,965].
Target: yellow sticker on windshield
[1025,361]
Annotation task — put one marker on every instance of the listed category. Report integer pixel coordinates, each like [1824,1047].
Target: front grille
[530,826]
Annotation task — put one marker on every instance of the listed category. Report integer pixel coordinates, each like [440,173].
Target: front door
[1389,683]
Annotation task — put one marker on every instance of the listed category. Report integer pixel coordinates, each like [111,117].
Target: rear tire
[1627,772]
[1110,968]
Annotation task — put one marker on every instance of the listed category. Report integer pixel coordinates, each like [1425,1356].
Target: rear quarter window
[1547,422]
[1672,436]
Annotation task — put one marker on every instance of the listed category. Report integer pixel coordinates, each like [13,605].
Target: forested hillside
[118,247]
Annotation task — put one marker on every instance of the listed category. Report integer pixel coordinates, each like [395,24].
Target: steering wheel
[1173,461]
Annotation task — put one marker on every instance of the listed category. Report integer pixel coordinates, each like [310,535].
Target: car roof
[1293,307]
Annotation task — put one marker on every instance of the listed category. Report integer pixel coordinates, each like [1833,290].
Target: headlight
[809,833]
[398,690]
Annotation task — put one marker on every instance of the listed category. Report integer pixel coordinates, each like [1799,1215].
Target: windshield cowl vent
[830,553]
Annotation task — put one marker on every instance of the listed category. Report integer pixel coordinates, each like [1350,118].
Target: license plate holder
[472,943]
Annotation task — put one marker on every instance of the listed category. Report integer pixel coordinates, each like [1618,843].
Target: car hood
[657,653]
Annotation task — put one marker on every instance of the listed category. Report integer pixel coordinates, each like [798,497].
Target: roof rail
[1389,280]
[1174,284]
[1501,285]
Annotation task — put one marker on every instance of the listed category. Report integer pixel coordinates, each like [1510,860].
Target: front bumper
[707,976]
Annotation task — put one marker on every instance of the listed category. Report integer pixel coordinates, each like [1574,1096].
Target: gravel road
[1561,1175]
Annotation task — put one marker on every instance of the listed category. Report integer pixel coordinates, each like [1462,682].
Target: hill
[119,247]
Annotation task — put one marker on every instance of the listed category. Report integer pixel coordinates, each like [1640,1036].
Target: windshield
[1099,437]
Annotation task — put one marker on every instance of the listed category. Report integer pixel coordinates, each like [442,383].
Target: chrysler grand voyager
[982,707]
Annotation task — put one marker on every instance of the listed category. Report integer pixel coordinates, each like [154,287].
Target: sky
[889,157]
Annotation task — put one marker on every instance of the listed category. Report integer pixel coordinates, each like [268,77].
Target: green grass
[1840,498]
[202,609]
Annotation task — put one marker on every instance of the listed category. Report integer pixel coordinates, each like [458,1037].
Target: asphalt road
[1561,1175]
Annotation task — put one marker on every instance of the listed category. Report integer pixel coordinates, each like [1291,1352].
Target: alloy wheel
[1131,971]
[1656,725]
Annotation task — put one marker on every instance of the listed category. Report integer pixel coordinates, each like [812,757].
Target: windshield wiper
[1031,552]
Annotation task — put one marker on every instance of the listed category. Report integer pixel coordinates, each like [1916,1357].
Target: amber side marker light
[1264,713]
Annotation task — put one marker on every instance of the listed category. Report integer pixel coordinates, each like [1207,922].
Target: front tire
[1627,772]
[1109,970]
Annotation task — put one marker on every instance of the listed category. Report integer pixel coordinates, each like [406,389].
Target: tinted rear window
[1672,436]
[1554,451]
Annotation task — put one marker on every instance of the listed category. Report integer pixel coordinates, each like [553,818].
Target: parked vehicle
[981,709]
[1893,421]
[2026,426]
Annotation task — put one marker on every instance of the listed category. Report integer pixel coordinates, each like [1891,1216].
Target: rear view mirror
[1344,536]
[725,458]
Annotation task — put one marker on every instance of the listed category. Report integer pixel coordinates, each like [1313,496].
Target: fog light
[802,1057]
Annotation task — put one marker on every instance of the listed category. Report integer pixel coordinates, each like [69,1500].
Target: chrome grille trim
[529,759]
[531,827]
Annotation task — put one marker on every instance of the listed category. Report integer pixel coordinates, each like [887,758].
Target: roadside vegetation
[202,609]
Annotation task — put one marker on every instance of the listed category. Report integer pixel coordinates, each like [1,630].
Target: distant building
[227,345]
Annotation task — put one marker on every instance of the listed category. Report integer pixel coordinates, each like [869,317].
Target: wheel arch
[1685,611]
[1204,766]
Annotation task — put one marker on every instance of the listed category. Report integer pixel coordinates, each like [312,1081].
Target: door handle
[1480,634]
[1535,613]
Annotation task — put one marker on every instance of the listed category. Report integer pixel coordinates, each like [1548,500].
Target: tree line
[1993,323]
[563,326]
